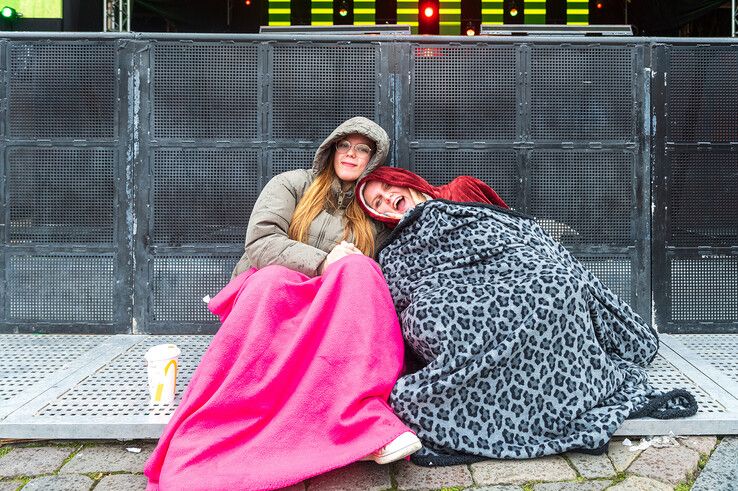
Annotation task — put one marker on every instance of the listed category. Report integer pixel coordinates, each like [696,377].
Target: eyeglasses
[362,150]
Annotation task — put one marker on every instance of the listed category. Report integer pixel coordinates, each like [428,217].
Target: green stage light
[9,13]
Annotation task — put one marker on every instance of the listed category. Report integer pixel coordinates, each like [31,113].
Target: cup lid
[162,352]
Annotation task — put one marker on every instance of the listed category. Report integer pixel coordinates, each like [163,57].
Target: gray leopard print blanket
[525,353]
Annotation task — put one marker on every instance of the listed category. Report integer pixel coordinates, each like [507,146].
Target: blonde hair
[315,199]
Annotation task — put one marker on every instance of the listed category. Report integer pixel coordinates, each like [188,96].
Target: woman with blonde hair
[296,381]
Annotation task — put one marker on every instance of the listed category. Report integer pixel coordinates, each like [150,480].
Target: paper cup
[161,363]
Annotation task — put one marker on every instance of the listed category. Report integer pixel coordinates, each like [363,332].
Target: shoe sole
[398,454]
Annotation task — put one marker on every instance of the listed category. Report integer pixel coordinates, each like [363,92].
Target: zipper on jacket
[321,234]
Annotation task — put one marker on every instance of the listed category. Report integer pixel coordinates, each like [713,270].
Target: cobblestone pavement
[110,466]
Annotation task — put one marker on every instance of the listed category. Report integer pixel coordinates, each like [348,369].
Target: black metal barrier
[131,163]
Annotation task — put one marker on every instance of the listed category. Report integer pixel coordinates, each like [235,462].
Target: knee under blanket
[526,353]
[295,383]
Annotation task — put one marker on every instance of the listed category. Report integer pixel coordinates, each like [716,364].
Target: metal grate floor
[71,386]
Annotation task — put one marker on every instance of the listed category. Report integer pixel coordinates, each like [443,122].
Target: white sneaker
[399,448]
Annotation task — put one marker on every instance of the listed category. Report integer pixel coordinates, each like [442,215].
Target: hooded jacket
[267,241]
[464,189]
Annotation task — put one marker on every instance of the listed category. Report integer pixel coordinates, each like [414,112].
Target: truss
[117,16]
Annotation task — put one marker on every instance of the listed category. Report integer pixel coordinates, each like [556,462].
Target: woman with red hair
[522,352]
[388,192]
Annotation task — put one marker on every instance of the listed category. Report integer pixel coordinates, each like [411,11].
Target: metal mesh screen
[719,350]
[615,273]
[29,358]
[205,91]
[180,283]
[521,113]
[120,388]
[704,289]
[4,88]
[582,93]
[701,94]
[703,199]
[283,160]
[315,88]
[589,192]
[62,90]
[664,376]
[463,93]
[60,195]
[499,169]
[60,288]
[203,196]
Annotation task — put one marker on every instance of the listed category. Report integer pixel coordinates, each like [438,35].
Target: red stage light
[599,5]
[248,2]
[428,17]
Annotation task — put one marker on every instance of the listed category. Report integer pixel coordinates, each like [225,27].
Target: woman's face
[351,155]
[387,199]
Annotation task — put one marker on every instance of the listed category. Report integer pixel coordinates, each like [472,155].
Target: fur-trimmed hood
[356,125]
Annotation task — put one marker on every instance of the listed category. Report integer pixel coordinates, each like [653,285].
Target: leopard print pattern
[526,352]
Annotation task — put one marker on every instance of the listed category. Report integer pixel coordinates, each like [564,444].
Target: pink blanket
[294,384]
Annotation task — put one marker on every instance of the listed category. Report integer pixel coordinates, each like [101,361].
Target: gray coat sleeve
[267,242]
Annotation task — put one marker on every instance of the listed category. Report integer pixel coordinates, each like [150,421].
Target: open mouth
[397,202]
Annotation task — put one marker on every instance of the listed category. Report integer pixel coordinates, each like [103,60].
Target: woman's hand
[351,247]
[341,250]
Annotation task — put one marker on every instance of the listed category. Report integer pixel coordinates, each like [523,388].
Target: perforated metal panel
[60,195]
[62,287]
[703,198]
[463,92]
[4,86]
[499,169]
[591,192]
[702,97]
[205,90]
[87,121]
[580,93]
[179,283]
[120,388]
[719,350]
[704,289]
[315,88]
[283,160]
[664,376]
[695,199]
[100,390]
[615,273]
[203,196]
[62,90]
[29,358]
[277,98]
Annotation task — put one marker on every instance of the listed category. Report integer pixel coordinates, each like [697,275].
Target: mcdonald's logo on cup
[161,363]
